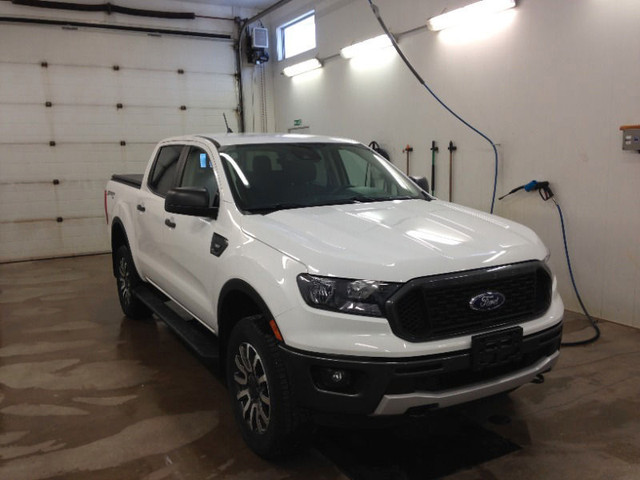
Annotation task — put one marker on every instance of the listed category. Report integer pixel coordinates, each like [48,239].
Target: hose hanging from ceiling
[376,12]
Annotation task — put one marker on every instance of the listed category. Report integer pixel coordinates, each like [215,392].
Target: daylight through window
[298,36]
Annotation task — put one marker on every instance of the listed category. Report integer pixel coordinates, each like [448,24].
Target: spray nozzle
[542,187]
[530,186]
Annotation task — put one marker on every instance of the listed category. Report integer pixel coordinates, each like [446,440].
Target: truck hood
[394,241]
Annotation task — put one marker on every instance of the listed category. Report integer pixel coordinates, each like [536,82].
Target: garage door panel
[69,85]
[213,119]
[88,127]
[150,88]
[22,163]
[41,163]
[171,122]
[30,240]
[87,124]
[197,55]
[37,124]
[62,124]
[170,89]
[82,86]
[103,86]
[197,91]
[47,201]
[43,239]
[25,123]
[107,48]
[26,84]
[73,124]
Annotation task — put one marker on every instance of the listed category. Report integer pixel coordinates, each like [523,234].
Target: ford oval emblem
[487,301]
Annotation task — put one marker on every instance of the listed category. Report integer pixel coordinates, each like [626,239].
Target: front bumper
[392,386]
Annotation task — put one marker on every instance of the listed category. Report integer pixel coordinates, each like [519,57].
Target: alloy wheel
[124,280]
[252,388]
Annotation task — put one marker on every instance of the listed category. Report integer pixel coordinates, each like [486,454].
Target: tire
[260,391]
[127,279]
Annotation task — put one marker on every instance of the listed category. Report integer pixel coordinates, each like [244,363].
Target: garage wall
[552,88]
[56,160]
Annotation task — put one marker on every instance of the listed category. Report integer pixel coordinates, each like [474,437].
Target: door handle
[169,223]
[140,208]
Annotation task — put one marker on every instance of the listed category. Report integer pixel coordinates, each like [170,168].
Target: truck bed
[131,179]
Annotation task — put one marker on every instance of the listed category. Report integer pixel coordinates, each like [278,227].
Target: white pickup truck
[328,282]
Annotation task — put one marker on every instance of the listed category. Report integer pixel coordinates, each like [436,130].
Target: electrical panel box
[260,38]
[630,137]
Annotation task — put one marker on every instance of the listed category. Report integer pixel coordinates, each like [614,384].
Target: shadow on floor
[427,448]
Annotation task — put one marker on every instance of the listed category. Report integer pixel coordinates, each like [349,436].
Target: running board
[203,342]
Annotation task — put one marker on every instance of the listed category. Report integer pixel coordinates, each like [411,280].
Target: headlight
[358,297]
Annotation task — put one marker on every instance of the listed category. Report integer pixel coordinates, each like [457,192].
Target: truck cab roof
[226,139]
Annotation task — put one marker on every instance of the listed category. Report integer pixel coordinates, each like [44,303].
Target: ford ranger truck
[326,281]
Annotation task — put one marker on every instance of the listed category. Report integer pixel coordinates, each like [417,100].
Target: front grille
[439,306]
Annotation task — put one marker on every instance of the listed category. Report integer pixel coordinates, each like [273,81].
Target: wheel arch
[238,300]
[118,238]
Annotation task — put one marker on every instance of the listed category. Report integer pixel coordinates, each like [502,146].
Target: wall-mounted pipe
[108,8]
[242,27]
[126,28]
[241,24]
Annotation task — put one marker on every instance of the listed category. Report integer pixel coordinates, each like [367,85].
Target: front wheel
[127,279]
[261,394]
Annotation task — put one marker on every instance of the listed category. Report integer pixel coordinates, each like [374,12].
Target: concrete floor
[88,394]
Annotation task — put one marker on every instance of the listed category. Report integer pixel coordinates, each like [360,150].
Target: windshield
[269,177]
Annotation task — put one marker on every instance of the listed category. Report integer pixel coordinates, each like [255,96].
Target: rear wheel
[261,394]
[127,279]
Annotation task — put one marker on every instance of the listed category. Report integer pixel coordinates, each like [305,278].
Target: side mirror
[422,182]
[190,201]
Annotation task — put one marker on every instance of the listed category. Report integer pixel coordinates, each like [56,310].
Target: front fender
[263,273]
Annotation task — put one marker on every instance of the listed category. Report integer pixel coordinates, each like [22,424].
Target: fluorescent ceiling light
[478,31]
[469,13]
[366,47]
[302,67]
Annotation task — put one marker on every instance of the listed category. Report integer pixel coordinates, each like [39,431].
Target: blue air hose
[546,193]
[594,324]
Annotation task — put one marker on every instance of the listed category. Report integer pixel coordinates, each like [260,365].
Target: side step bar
[203,342]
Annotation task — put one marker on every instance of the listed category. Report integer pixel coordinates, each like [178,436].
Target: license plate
[496,348]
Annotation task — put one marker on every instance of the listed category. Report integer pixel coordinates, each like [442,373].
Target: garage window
[297,36]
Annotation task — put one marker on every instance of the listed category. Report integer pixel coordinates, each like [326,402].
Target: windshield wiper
[346,200]
[404,197]
[264,209]
[368,199]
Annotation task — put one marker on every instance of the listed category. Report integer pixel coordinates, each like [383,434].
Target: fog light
[334,379]
[338,376]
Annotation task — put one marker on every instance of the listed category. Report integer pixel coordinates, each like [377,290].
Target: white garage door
[79,105]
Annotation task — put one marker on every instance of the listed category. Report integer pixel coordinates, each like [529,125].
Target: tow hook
[538,379]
